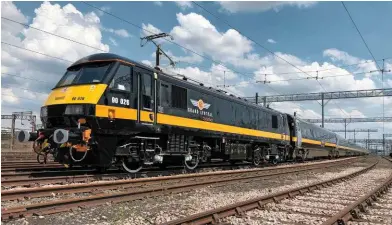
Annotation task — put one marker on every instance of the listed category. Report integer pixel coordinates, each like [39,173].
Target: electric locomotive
[108,110]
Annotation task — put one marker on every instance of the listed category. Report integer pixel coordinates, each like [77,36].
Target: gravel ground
[202,170]
[164,208]
[316,207]
[379,213]
[28,201]
[54,197]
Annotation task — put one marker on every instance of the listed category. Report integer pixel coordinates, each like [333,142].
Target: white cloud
[113,41]
[158,3]
[184,5]
[65,21]
[9,30]
[149,29]
[8,96]
[290,107]
[122,33]
[192,58]
[75,25]
[389,82]
[104,8]
[215,76]
[364,66]
[272,41]
[341,113]
[119,32]
[197,33]
[147,62]
[253,7]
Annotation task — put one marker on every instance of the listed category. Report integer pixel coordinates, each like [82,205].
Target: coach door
[146,110]
[298,132]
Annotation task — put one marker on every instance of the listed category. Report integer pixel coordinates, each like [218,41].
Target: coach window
[147,91]
[122,79]
[274,121]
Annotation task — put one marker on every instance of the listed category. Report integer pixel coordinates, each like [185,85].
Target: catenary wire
[265,48]
[370,52]
[68,39]
[36,52]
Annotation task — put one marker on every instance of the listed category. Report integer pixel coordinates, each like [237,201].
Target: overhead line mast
[159,51]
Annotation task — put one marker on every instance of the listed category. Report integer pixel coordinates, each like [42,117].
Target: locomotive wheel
[257,158]
[193,163]
[131,167]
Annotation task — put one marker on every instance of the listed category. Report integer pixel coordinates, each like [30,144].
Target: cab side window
[165,95]
[122,79]
[147,91]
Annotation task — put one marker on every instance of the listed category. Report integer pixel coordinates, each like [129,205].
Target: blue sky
[303,32]
[310,35]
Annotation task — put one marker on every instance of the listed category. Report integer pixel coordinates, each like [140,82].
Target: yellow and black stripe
[131,114]
[91,93]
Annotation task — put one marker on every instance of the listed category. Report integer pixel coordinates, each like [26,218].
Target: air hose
[77,160]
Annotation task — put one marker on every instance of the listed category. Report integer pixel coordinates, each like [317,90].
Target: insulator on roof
[201,84]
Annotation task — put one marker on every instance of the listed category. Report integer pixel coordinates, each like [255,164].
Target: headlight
[44,111]
[74,110]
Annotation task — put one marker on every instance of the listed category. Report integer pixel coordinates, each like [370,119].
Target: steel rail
[22,180]
[387,158]
[27,167]
[214,215]
[136,183]
[353,210]
[26,164]
[129,194]
[32,161]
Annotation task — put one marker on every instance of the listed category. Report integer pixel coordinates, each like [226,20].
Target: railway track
[65,175]
[126,190]
[62,175]
[28,165]
[18,156]
[330,202]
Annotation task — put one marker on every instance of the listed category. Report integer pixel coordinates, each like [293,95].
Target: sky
[231,43]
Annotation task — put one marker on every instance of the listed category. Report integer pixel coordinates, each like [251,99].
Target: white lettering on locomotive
[121,102]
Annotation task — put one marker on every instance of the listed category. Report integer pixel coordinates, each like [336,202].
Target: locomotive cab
[99,100]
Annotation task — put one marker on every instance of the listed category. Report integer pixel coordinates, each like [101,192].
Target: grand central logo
[201,105]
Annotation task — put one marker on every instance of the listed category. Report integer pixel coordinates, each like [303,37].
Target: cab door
[120,94]
[146,99]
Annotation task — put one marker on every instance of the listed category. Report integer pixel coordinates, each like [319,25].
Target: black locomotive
[109,110]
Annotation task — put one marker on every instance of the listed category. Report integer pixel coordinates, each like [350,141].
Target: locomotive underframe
[163,145]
